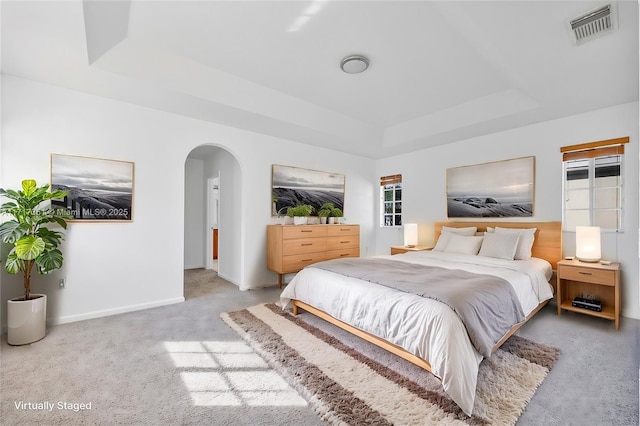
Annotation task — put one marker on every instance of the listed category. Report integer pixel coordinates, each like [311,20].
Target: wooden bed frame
[547,245]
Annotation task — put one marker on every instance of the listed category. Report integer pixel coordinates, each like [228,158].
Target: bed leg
[295,309]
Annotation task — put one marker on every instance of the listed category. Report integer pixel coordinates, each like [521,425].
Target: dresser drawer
[302,231]
[342,242]
[340,230]
[587,275]
[345,252]
[303,245]
[296,262]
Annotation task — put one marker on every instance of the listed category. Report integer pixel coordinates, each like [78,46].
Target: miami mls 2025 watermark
[50,406]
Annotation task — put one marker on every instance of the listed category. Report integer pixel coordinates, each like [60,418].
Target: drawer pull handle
[344,242]
[306,244]
[344,254]
[344,229]
[306,230]
[307,260]
[585,273]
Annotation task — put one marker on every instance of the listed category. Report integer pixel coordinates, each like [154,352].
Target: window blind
[390,180]
[594,149]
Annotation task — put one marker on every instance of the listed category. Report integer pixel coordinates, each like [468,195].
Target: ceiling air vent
[593,24]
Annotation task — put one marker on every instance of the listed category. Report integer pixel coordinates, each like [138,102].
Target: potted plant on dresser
[325,212]
[34,244]
[299,213]
[334,215]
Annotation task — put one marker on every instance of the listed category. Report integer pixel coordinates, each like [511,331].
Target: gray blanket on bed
[486,304]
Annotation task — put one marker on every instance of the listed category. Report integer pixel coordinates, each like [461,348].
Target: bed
[428,330]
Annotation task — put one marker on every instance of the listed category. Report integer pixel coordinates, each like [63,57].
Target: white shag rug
[350,381]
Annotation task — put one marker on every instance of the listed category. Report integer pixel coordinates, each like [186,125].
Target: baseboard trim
[195,267]
[226,278]
[114,311]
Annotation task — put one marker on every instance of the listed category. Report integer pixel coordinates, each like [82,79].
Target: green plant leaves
[11,231]
[300,210]
[52,239]
[13,264]
[29,247]
[29,186]
[49,261]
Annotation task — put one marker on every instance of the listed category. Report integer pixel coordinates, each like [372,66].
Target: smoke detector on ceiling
[594,24]
[354,64]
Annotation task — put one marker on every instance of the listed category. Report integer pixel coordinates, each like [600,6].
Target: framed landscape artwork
[291,186]
[498,189]
[99,189]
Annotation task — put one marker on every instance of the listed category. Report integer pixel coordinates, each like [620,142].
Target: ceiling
[440,71]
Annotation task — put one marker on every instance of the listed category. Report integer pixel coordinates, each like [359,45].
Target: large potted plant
[34,244]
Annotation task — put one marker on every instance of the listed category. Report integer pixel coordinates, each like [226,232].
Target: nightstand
[576,278]
[404,249]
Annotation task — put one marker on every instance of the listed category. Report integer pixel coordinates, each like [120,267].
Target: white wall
[424,186]
[118,267]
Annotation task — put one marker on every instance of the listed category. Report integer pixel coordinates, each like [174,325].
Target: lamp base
[582,259]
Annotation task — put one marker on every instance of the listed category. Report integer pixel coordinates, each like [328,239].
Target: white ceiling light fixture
[354,64]
[594,24]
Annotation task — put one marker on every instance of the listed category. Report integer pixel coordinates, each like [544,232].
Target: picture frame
[497,189]
[99,189]
[291,186]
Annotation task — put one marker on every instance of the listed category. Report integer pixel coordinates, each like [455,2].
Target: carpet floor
[350,381]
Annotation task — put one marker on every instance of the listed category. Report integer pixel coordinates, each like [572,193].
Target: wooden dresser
[292,247]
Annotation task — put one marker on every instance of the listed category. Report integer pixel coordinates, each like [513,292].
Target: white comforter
[422,326]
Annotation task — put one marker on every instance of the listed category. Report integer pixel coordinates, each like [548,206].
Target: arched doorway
[212,202]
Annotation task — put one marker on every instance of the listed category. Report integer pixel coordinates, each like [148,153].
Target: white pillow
[441,244]
[501,246]
[463,245]
[469,231]
[525,243]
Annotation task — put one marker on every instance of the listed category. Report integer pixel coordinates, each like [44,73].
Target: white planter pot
[323,220]
[26,319]
[299,220]
[332,220]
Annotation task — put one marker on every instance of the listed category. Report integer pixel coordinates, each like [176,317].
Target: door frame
[210,223]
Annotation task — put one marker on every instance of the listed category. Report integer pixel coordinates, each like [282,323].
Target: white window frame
[384,188]
[590,153]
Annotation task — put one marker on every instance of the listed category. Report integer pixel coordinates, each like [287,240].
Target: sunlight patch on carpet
[229,374]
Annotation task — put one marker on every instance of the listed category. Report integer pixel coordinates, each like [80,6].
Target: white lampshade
[410,234]
[588,243]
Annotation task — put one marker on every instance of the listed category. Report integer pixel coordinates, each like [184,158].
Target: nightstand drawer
[587,275]
[297,262]
[303,245]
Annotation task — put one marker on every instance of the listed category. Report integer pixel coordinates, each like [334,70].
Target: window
[593,184]
[391,200]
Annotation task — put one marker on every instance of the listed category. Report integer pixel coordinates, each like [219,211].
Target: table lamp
[410,234]
[588,243]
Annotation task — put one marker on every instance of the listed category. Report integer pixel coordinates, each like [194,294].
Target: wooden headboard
[548,238]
